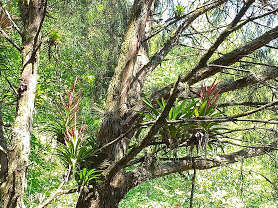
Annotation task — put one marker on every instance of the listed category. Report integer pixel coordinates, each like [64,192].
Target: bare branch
[11,86]
[231,57]
[201,163]
[59,190]
[250,104]
[222,37]
[192,183]
[5,35]
[11,20]
[266,178]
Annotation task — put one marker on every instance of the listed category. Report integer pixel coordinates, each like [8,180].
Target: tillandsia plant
[201,133]
[86,176]
[74,148]
[192,134]
[68,130]
[208,98]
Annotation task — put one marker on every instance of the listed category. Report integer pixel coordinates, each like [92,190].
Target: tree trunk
[13,189]
[108,195]
[3,151]
[104,198]
[120,99]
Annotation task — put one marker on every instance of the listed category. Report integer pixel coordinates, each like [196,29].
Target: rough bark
[3,150]
[13,189]
[106,195]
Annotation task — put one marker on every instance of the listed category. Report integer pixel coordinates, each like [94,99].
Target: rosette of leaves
[201,132]
[172,134]
[85,176]
[192,134]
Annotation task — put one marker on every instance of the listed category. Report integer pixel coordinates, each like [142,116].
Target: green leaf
[203,108]
[196,112]
[150,106]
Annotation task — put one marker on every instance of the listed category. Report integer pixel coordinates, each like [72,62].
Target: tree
[120,139]
[15,162]
[144,138]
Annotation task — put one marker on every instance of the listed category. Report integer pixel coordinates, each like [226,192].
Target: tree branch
[11,20]
[5,35]
[222,37]
[59,191]
[250,104]
[157,58]
[185,164]
[227,86]
[231,57]
[113,169]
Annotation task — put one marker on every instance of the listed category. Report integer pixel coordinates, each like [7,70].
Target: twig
[59,191]
[252,171]
[193,183]
[13,23]
[229,67]
[247,146]
[5,35]
[251,104]
[10,84]
[257,63]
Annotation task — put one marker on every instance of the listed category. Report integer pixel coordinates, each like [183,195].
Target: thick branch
[232,57]
[222,37]
[113,169]
[158,57]
[269,73]
[185,164]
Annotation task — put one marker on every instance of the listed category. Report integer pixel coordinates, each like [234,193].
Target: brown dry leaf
[4,20]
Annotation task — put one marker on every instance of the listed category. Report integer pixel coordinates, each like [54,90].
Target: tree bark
[3,150]
[107,195]
[32,15]
[119,101]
